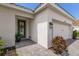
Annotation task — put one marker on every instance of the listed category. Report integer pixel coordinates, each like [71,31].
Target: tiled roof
[76,23]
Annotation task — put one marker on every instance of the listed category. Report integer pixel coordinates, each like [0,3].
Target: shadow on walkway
[25,42]
[70,41]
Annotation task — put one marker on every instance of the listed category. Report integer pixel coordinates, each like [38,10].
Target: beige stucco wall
[39,27]
[7,24]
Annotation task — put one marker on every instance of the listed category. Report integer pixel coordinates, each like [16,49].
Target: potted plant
[2,43]
[18,36]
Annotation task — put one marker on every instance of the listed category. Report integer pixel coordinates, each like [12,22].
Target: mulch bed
[11,53]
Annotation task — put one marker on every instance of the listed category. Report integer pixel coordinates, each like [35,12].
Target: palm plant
[18,36]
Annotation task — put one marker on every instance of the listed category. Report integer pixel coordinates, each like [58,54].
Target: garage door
[61,29]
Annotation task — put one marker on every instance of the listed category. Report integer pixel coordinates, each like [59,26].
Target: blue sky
[72,8]
[29,5]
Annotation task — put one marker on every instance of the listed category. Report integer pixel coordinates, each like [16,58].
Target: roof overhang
[41,7]
[13,6]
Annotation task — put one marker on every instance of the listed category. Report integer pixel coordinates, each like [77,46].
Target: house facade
[41,25]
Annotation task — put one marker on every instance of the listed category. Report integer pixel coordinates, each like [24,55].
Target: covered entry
[23,29]
[23,26]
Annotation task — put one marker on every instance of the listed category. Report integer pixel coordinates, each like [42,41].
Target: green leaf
[2,42]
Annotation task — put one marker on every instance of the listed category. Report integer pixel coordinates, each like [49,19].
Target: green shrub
[74,34]
[18,34]
[2,43]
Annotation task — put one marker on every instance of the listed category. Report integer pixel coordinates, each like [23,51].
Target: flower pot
[18,39]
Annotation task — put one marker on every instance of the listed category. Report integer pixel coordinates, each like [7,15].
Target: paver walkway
[34,50]
[37,50]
